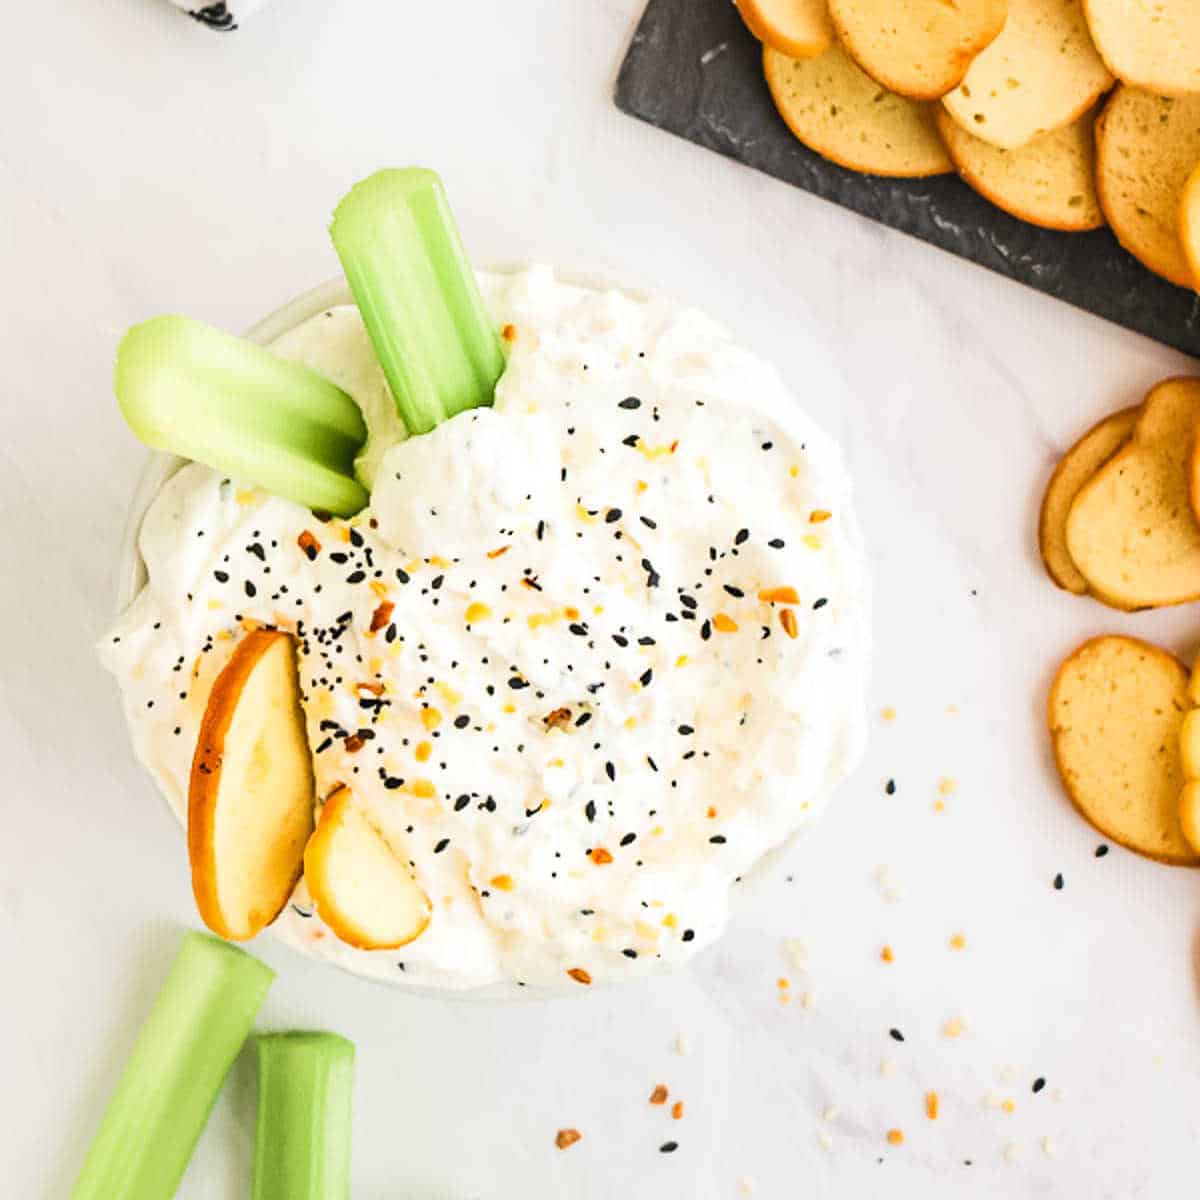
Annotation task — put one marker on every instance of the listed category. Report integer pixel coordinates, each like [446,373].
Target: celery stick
[183,1053]
[302,1144]
[189,388]
[418,296]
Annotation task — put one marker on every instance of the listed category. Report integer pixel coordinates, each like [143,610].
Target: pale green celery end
[418,296]
[183,1053]
[303,1133]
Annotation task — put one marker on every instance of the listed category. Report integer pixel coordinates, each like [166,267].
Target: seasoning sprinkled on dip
[585,659]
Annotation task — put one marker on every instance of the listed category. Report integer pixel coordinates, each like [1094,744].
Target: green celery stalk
[183,1053]
[416,291]
[204,394]
[302,1142]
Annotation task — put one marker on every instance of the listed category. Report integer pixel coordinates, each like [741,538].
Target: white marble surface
[148,165]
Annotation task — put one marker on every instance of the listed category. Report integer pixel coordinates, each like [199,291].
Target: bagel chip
[1131,531]
[1146,148]
[1041,73]
[1116,710]
[917,48]
[1074,469]
[836,109]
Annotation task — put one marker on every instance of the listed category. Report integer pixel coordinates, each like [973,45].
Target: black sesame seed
[688,935]
[613,514]
[890,787]
[462,721]
[717,839]
[741,536]
[356,577]
[629,839]
[461,802]
[589,810]
[668,1147]
[686,730]
[402,575]
[1038,1084]
[1059,882]
[705,631]
[620,640]
[734,591]
[610,771]
[630,402]
[649,524]
[776,543]
[629,953]
[221,576]
[1101,850]
[824,600]
[645,678]
[895,1035]
[441,845]
[250,589]
[517,683]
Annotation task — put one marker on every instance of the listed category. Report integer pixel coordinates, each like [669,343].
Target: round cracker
[838,110]
[1074,469]
[1146,147]
[1051,182]
[1041,73]
[1151,44]
[797,28]
[917,48]
[1189,224]
[1115,711]
[1130,530]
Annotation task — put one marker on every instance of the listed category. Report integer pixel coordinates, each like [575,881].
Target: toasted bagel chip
[839,111]
[1051,182]
[917,48]
[1146,148]
[1152,44]
[1115,713]
[1074,469]
[797,28]
[1189,224]
[1041,73]
[1131,531]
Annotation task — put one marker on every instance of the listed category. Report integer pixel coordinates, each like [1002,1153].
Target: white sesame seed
[888,1067]
[1048,1147]
[825,1139]
[1011,1151]
[683,1044]
[830,1113]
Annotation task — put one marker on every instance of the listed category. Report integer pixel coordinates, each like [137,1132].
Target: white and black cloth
[224,16]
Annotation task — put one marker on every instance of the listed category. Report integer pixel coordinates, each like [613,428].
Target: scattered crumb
[659,1095]
[958,941]
[825,1140]
[955,1027]
[1009,1107]
[888,714]
[895,1137]
[947,786]
[1011,1151]
[931,1105]
[830,1113]
[887,955]
[677,1111]
[567,1137]
[746,1186]
[796,952]
[808,1000]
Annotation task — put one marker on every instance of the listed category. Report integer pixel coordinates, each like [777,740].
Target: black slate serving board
[694,70]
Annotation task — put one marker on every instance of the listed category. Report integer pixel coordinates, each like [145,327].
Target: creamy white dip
[625,655]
